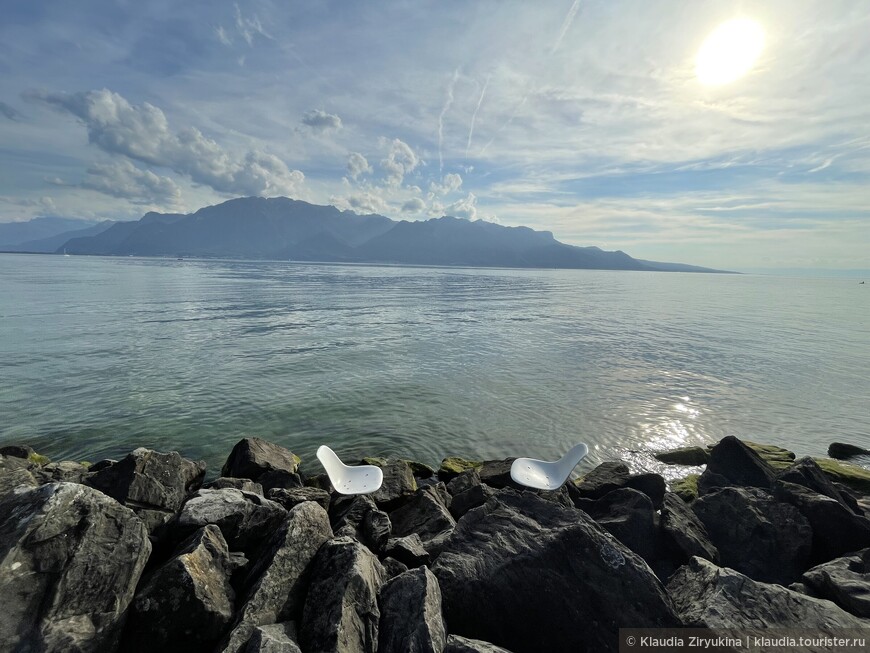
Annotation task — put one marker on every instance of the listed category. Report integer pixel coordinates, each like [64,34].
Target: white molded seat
[360,479]
[545,475]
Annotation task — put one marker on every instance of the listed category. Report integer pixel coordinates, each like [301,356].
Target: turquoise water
[100,355]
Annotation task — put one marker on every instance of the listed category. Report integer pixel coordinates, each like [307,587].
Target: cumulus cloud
[142,133]
[8,111]
[320,121]
[357,165]
[464,208]
[365,202]
[450,183]
[415,205]
[400,161]
[123,179]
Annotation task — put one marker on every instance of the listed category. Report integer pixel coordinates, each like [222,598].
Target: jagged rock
[686,488]
[605,478]
[347,514]
[710,481]
[838,450]
[806,472]
[454,465]
[376,530]
[685,530]
[71,558]
[497,473]
[426,515]
[187,603]
[707,596]
[740,464]
[421,470]
[464,481]
[101,465]
[473,497]
[153,484]
[629,516]
[519,546]
[408,550]
[457,644]
[836,529]
[411,619]
[319,481]
[341,609]
[777,457]
[274,638]
[692,456]
[755,534]
[393,567]
[398,483]
[65,471]
[279,577]
[852,476]
[253,457]
[225,482]
[17,451]
[290,497]
[14,471]
[652,485]
[245,518]
[279,479]
[845,581]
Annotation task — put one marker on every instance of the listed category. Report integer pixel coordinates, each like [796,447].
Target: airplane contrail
[474,115]
[566,25]
[444,111]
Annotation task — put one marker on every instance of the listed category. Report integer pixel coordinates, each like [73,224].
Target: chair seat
[346,479]
[544,474]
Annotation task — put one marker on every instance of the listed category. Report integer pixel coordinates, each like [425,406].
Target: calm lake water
[100,355]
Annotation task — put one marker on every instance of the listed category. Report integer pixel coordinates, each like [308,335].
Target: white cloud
[450,183]
[249,27]
[143,133]
[363,202]
[122,179]
[464,208]
[357,165]
[320,121]
[222,35]
[414,205]
[400,161]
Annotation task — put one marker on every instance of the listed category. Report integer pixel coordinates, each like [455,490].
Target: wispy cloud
[448,102]
[566,25]
[474,115]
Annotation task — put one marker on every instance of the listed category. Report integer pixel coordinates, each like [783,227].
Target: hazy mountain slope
[53,243]
[16,233]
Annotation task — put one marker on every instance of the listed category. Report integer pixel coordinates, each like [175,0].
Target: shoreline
[458,558]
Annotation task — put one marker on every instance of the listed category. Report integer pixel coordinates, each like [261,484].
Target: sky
[586,118]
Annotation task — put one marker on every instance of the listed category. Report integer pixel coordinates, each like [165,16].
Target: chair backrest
[569,461]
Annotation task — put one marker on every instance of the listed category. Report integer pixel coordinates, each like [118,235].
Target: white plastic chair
[545,475]
[361,479]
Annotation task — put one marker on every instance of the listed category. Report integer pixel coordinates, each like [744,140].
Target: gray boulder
[225,482]
[411,619]
[291,497]
[755,534]
[274,638]
[253,457]
[65,471]
[740,464]
[806,472]
[845,581]
[464,481]
[520,568]
[398,483]
[685,530]
[408,550]
[341,612]
[457,644]
[393,567]
[245,518]
[426,515]
[15,471]
[605,478]
[153,484]
[630,517]
[71,559]
[838,450]
[376,530]
[187,603]
[474,497]
[17,451]
[279,577]
[707,596]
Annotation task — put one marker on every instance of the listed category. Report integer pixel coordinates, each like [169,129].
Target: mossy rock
[454,465]
[686,488]
[421,470]
[377,461]
[776,457]
[38,459]
[684,456]
[852,476]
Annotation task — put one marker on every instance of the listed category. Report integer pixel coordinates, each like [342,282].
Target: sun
[729,52]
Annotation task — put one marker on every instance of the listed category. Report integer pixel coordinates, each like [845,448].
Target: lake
[101,355]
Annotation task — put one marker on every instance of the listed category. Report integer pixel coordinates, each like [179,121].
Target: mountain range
[282,228]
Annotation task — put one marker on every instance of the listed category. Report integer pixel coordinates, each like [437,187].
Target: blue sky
[583,118]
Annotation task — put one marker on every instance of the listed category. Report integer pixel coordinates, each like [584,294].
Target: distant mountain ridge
[44,234]
[282,228]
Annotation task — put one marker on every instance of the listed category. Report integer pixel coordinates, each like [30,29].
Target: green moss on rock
[852,476]
[686,488]
[421,470]
[377,461]
[38,459]
[453,465]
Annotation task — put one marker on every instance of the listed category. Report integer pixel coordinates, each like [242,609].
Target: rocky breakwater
[140,555]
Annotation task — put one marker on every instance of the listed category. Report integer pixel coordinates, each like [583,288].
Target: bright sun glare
[729,51]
